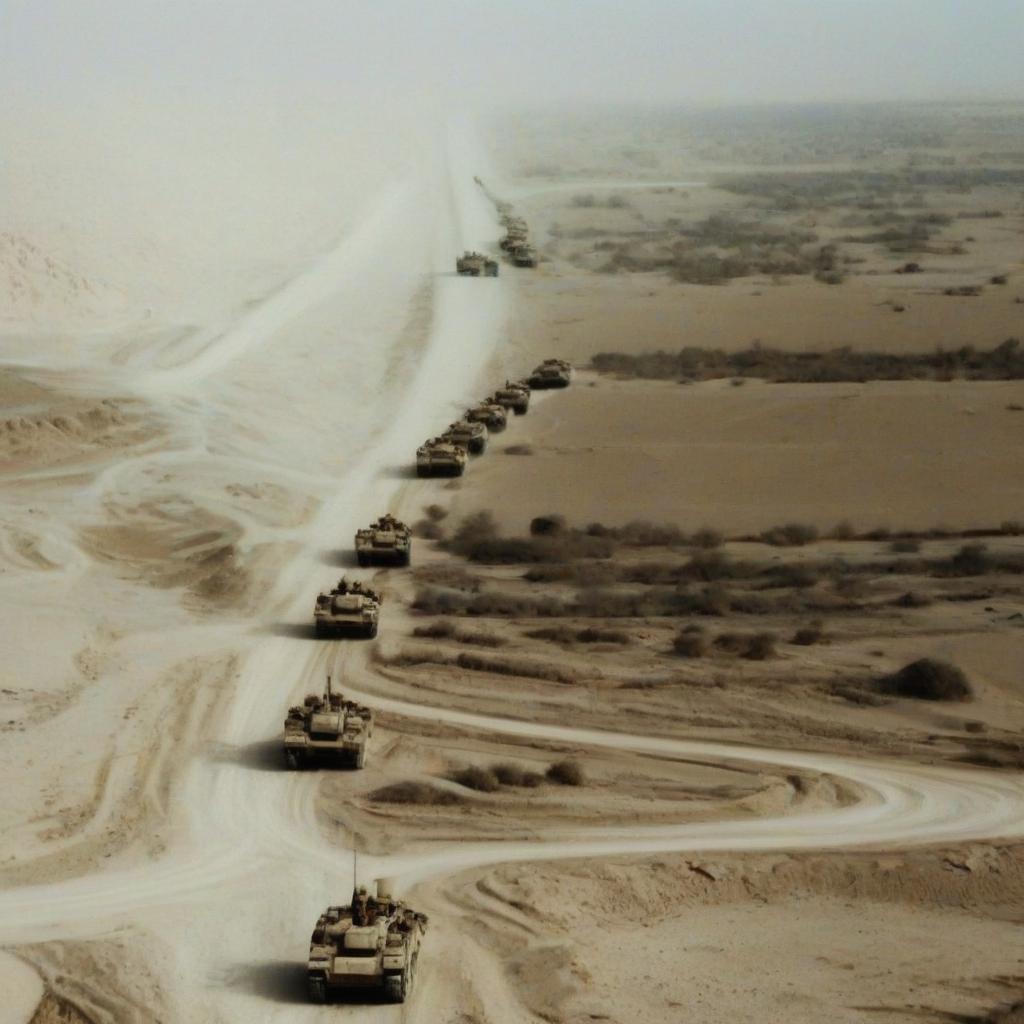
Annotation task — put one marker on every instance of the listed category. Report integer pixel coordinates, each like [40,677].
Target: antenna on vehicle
[328,687]
[355,870]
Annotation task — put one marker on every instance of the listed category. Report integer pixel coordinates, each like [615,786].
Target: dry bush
[515,775]
[566,773]
[547,526]
[707,538]
[483,780]
[435,513]
[427,529]
[414,793]
[518,449]
[971,560]
[596,635]
[555,634]
[753,646]
[807,636]
[481,639]
[905,546]
[790,535]
[1002,362]
[928,679]
[516,667]
[440,630]
[843,531]
[796,577]
[692,642]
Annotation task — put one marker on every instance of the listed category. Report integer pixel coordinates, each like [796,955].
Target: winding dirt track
[249,870]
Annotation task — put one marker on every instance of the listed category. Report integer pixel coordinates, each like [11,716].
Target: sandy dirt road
[323,389]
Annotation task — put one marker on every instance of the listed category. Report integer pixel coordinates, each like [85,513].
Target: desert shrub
[435,513]
[753,646]
[595,635]
[483,780]
[710,565]
[1011,528]
[970,560]
[1003,362]
[790,535]
[547,526]
[516,667]
[807,636]
[692,642]
[905,546]
[518,449]
[474,529]
[440,601]
[566,773]
[798,577]
[707,538]
[414,793]
[509,774]
[912,599]
[481,639]
[440,630]
[928,679]
[760,647]
[427,529]
[843,531]
[555,634]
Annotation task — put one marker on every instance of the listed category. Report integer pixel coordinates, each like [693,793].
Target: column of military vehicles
[373,943]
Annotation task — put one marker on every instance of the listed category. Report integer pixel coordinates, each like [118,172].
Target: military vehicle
[471,436]
[372,944]
[523,255]
[476,264]
[327,728]
[439,457]
[350,609]
[387,541]
[514,396]
[492,415]
[552,373]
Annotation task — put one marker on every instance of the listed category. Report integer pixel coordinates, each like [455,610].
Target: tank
[514,396]
[327,728]
[388,541]
[471,436]
[492,415]
[476,264]
[372,944]
[552,373]
[439,457]
[350,609]
[523,255]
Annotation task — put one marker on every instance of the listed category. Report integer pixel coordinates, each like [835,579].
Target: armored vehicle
[523,255]
[471,436]
[492,415]
[476,264]
[387,541]
[552,373]
[440,458]
[350,609]
[372,944]
[327,728]
[514,396]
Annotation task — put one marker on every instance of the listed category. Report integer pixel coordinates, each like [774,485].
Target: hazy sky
[674,50]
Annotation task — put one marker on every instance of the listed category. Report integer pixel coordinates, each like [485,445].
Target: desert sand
[185,465]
